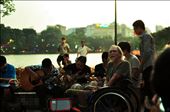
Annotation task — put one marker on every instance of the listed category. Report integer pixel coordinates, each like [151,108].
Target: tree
[8,7]
[30,39]
[50,38]
[161,38]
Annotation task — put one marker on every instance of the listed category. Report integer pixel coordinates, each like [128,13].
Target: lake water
[34,59]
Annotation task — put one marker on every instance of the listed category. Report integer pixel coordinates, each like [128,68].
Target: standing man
[147,51]
[63,48]
[83,49]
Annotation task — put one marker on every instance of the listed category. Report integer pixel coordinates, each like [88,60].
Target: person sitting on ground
[7,72]
[66,61]
[118,69]
[79,72]
[133,60]
[45,74]
[100,69]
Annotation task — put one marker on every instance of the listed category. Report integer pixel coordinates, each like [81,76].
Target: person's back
[147,56]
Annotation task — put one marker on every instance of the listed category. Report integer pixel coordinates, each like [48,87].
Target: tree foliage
[8,7]
[161,38]
[16,41]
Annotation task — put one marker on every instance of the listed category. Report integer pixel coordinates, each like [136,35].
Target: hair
[63,38]
[2,60]
[125,46]
[82,59]
[46,63]
[139,24]
[168,42]
[118,48]
[105,55]
[66,55]
[82,41]
[161,72]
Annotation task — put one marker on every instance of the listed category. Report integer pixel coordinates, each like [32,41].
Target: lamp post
[115,23]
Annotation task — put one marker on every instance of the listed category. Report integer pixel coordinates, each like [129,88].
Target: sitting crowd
[48,81]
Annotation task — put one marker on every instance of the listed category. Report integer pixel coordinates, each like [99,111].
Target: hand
[155,99]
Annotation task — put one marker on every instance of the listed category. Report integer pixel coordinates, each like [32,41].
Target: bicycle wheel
[115,100]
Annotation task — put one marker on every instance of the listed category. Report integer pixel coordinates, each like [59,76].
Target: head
[63,39]
[82,42]
[115,53]
[139,27]
[125,46]
[66,56]
[47,65]
[161,72]
[105,56]
[81,62]
[2,61]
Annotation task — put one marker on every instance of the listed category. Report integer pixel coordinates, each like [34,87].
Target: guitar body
[24,79]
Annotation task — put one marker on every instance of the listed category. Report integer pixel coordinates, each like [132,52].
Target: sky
[39,14]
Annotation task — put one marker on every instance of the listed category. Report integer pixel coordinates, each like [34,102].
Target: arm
[135,73]
[147,48]
[88,50]
[122,70]
[68,48]
[58,49]
[34,75]
[113,79]
[78,52]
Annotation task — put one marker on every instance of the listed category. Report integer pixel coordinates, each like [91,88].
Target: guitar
[24,79]
[28,81]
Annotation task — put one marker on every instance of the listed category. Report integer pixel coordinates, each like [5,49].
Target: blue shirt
[8,71]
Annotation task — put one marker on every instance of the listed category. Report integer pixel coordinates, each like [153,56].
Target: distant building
[61,28]
[75,30]
[107,30]
[70,31]
[159,28]
[99,31]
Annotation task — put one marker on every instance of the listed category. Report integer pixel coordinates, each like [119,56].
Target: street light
[115,23]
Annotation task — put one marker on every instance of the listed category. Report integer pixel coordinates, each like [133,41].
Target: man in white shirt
[83,49]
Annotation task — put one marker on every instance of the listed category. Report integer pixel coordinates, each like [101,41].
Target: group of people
[149,75]
[64,50]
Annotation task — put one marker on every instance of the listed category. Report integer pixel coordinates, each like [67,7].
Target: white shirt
[83,50]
